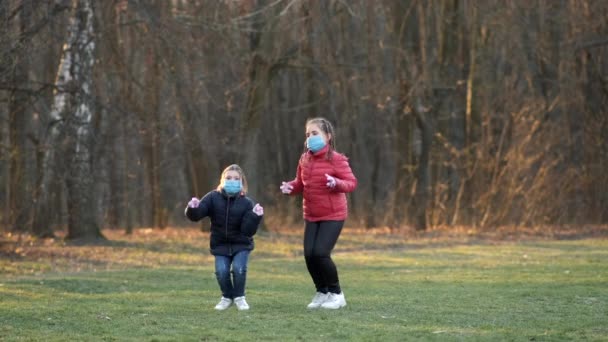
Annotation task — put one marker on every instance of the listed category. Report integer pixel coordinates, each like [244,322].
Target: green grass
[404,290]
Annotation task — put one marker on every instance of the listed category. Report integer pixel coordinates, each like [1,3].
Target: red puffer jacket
[320,202]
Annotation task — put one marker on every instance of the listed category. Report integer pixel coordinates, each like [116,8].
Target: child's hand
[194,202]
[258,210]
[286,188]
[331,181]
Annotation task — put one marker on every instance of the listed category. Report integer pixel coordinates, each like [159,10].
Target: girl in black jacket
[234,221]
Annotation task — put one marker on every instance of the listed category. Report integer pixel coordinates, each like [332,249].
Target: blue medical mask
[315,143]
[232,186]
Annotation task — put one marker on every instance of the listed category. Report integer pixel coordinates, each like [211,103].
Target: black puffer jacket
[233,223]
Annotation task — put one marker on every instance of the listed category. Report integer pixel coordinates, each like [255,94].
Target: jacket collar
[320,153]
[240,194]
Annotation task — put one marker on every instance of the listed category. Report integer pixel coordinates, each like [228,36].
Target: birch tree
[82,216]
[71,116]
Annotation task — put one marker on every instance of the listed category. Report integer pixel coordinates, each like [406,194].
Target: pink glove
[286,188]
[258,210]
[194,202]
[331,181]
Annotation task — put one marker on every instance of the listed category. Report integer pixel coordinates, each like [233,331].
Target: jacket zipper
[331,201]
[227,213]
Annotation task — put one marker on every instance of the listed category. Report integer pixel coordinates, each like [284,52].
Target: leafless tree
[452,112]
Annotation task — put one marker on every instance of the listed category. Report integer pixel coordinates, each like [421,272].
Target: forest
[113,114]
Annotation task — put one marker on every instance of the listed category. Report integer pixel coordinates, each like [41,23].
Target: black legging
[319,240]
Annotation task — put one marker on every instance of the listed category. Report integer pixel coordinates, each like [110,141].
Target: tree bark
[71,111]
[260,74]
[82,221]
[152,136]
[423,174]
[19,201]
[152,117]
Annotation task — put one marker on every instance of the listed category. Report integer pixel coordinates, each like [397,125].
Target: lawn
[438,286]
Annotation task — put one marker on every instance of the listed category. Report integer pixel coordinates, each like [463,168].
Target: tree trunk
[152,139]
[152,117]
[50,147]
[423,121]
[19,201]
[257,97]
[423,182]
[198,164]
[123,58]
[82,222]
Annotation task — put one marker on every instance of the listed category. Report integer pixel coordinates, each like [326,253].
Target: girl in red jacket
[323,177]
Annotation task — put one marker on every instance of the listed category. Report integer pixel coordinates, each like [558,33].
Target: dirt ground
[146,247]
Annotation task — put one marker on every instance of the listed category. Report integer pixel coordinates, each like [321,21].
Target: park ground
[444,284]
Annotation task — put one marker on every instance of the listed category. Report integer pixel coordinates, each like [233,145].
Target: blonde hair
[233,167]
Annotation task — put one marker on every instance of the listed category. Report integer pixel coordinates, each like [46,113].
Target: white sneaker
[241,303]
[335,301]
[317,300]
[223,304]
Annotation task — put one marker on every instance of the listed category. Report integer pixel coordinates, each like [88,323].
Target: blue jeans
[232,288]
